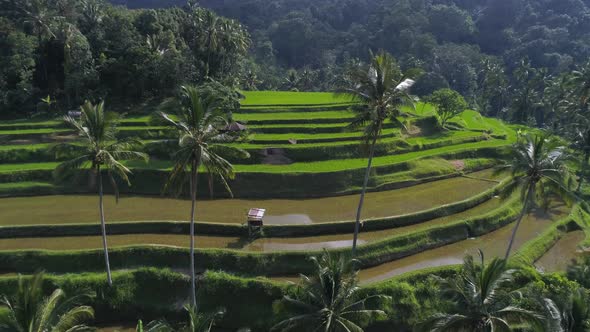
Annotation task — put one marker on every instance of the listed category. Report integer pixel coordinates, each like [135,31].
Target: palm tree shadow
[555,208]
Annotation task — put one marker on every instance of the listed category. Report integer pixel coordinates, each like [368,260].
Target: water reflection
[82,208]
[493,244]
[288,219]
[562,253]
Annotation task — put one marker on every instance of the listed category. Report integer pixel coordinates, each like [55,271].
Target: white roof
[256,214]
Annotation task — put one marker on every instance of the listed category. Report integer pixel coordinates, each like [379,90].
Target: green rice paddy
[317,123]
[82,209]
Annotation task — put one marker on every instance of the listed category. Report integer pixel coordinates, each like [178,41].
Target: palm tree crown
[328,300]
[202,137]
[381,90]
[29,311]
[481,296]
[98,130]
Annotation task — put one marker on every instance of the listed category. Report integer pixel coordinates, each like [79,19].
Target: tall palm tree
[481,296]
[30,311]
[211,37]
[101,151]
[381,90]
[200,125]
[582,143]
[329,299]
[538,169]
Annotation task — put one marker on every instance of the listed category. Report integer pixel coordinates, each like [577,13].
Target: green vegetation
[328,299]
[284,98]
[538,168]
[200,127]
[479,295]
[102,153]
[427,193]
[29,310]
[448,104]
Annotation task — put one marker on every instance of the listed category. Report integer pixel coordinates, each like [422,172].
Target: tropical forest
[294,165]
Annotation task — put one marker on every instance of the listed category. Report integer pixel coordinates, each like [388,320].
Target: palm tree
[198,322]
[582,143]
[381,90]
[480,296]
[580,80]
[211,38]
[579,271]
[100,149]
[570,314]
[201,322]
[328,300]
[538,169]
[200,127]
[30,311]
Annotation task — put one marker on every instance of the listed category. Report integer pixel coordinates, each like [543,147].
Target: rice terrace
[161,171]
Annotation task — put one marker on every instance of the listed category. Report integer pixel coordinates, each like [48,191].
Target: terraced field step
[267,244]
[492,244]
[387,250]
[307,167]
[81,209]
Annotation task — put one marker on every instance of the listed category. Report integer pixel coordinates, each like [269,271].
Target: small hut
[235,127]
[255,221]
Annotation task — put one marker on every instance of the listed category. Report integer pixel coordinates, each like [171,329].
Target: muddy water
[83,208]
[345,240]
[562,253]
[493,244]
[259,245]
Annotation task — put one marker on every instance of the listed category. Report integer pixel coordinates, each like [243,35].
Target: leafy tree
[17,65]
[329,299]
[450,23]
[448,103]
[100,151]
[200,124]
[381,90]
[482,300]
[30,311]
[538,169]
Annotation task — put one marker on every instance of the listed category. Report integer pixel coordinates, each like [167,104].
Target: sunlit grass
[291,98]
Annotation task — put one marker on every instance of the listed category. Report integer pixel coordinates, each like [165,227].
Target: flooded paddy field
[84,208]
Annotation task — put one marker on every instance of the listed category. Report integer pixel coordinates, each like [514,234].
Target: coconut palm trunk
[583,171]
[193,187]
[362,198]
[103,226]
[520,217]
